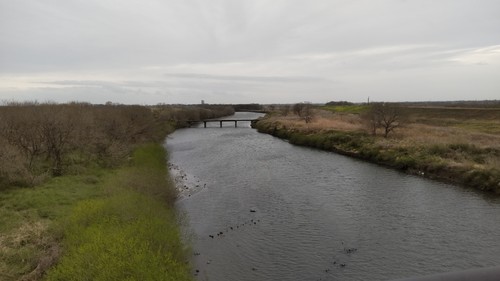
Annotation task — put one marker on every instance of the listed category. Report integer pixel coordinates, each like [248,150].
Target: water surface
[294,213]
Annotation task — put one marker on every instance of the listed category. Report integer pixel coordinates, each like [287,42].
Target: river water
[283,212]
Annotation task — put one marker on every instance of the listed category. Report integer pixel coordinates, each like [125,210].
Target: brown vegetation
[66,151]
[304,111]
[42,140]
[388,117]
[454,144]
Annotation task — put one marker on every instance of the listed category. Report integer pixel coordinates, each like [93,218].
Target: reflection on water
[273,211]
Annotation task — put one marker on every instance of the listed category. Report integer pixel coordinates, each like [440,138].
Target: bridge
[235,121]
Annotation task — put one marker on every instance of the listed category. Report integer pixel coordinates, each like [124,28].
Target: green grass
[28,216]
[481,126]
[128,236]
[132,233]
[108,225]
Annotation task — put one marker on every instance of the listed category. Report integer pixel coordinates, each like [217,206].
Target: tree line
[38,141]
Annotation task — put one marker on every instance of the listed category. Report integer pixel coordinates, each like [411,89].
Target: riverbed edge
[359,145]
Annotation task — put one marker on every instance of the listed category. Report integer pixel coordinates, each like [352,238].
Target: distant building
[202,101]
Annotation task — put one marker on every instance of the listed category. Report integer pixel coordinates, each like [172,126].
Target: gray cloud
[250,50]
[257,79]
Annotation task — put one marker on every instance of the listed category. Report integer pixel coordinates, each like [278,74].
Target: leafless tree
[23,130]
[285,109]
[39,140]
[304,111]
[388,117]
[297,109]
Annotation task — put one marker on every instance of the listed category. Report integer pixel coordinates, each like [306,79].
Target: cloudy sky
[242,51]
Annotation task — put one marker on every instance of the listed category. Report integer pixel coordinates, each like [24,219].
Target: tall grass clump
[132,233]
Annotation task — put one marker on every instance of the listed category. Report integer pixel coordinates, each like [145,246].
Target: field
[455,144]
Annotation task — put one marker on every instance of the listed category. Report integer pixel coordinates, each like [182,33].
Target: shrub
[405,162]
[485,179]
[438,149]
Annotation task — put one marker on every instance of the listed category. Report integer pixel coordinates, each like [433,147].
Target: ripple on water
[311,205]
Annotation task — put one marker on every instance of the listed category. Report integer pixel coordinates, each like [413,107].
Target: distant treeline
[338,103]
[248,106]
[468,104]
[38,141]
[180,114]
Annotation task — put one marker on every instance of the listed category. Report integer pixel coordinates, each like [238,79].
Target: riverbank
[131,232]
[85,192]
[121,225]
[464,153]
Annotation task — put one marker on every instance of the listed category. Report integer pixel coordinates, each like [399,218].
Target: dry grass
[422,134]
[29,233]
[417,130]
[414,132]
[324,121]
[31,248]
[457,144]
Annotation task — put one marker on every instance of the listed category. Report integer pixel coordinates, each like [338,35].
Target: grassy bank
[131,232]
[454,145]
[82,187]
[109,225]
[30,223]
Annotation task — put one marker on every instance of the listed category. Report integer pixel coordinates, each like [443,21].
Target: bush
[369,152]
[488,180]
[438,150]
[298,138]
[405,162]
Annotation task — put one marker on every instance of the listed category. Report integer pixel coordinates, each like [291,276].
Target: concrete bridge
[235,121]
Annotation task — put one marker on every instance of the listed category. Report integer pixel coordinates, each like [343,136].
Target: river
[259,208]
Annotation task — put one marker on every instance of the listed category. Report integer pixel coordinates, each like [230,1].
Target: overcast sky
[243,51]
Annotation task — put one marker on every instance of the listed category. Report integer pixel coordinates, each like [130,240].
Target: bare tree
[39,140]
[297,109]
[307,112]
[285,109]
[21,128]
[385,116]
[304,111]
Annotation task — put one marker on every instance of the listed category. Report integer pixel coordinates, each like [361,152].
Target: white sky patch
[482,56]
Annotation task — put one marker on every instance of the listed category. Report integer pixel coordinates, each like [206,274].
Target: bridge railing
[222,121]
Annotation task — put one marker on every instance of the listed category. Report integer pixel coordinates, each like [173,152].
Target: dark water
[295,213]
